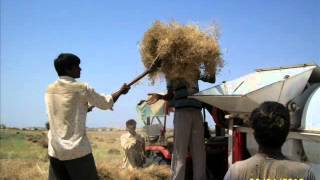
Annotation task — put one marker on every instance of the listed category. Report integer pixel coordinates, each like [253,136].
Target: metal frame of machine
[294,86]
[234,100]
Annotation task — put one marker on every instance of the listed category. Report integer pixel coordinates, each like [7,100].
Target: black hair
[271,123]
[130,122]
[65,61]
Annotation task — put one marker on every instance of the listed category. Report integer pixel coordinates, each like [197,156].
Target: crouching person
[132,145]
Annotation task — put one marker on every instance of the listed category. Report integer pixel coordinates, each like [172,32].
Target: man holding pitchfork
[67,103]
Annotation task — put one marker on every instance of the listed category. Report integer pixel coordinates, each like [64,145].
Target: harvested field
[23,155]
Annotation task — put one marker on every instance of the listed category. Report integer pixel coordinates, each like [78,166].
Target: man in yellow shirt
[133,147]
[67,103]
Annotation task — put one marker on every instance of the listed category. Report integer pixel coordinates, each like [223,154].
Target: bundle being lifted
[185,51]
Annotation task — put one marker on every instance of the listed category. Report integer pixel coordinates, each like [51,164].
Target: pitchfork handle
[139,77]
[156,62]
[154,65]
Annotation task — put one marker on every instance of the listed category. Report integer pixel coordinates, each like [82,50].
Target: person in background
[132,145]
[67,104]
[270,122]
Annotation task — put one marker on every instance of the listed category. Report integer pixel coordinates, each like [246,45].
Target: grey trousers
[188,133]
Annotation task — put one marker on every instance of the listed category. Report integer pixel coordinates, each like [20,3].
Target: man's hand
[90,108]
[154,98]
[124,89]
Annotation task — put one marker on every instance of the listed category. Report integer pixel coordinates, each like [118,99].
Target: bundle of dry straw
[185,51]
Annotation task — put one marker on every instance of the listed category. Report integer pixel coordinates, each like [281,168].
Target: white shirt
[263,167]
[67,103]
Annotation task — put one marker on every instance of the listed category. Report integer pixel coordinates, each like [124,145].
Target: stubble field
[23,155]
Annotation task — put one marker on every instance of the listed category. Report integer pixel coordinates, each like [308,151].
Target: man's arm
[207,78]
[104,101]
[123,90]
[155,97]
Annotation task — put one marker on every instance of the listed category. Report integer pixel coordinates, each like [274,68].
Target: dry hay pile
[184,50]
[153,172]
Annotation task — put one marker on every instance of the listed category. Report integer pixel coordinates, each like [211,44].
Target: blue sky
[106,34]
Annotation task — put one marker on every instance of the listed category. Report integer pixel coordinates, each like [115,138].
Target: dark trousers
[75,169]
